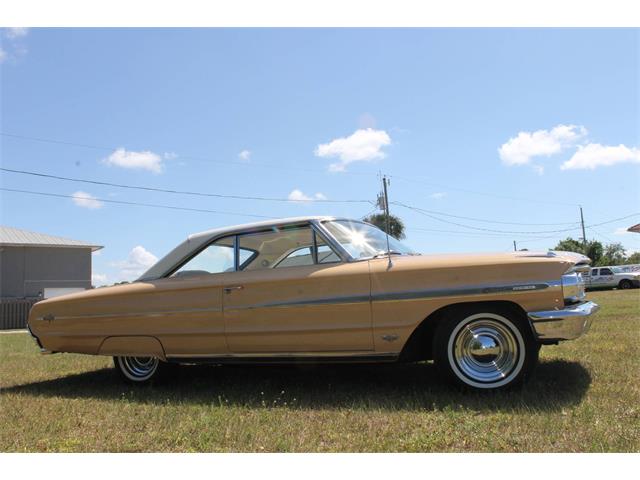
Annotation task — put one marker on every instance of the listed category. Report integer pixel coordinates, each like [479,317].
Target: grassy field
[585,396]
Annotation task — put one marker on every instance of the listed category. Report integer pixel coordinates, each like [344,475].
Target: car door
[192,323]
[607,278]
[295,295]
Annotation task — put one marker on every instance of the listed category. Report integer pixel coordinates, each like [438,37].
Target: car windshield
[362,240]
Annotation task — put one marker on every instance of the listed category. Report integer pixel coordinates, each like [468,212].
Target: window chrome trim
[193,255]
[331,241]
[347,256]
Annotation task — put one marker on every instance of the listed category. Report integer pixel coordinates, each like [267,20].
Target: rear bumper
[566,324]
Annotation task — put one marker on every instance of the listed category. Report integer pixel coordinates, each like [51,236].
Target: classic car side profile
[326,289]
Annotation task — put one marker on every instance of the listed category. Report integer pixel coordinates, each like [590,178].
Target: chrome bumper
[565,324]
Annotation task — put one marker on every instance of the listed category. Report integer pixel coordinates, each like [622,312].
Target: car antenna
[385,183]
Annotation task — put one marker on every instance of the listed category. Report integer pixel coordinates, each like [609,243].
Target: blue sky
[513,125]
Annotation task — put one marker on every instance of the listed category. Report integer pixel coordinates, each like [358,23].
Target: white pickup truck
[611,277]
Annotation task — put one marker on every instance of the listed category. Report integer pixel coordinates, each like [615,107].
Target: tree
[396,226]
[594,248]
[633,259]
[614,254]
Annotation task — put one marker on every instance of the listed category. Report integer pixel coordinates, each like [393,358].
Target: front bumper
[565,324]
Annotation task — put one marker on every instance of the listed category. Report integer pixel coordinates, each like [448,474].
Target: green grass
[584,397]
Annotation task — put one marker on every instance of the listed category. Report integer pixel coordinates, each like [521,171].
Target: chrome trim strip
[351,299]
[331,241]
[408,295]
[136,314]
[477,290]
[299,303]
[282,354]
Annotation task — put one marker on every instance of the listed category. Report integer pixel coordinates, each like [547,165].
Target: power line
[137,204]
[242,197]
[434,212]
[601,235]
[483,234]
[178,192]
[422,212]
[418,180]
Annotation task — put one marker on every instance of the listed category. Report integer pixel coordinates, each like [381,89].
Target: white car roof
[198,240]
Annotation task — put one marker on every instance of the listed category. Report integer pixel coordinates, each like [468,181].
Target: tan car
[324,289]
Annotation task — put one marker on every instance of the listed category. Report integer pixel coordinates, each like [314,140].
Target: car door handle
[232,288]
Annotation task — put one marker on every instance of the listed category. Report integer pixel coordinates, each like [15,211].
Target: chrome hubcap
[485,350]
[139,368]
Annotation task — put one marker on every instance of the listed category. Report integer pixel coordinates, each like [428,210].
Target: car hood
[568,259]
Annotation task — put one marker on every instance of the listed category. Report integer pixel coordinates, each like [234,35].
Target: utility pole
[515,248]
[584,235]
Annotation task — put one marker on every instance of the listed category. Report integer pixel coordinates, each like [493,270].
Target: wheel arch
[419,345]
[132,345]
[625,281]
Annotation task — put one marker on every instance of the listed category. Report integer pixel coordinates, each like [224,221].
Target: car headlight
[573,287]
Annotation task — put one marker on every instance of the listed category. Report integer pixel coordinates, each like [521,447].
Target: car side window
[290,246]
[594,271]
[216,258]
[606,271]
[325,253]
[299,257]
[277,246]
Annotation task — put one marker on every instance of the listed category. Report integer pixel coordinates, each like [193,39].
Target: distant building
[36,265]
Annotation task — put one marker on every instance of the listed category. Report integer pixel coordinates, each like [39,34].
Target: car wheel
[625,284]
[137,369]
[485,348]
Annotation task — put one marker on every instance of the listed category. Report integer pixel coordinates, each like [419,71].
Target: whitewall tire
[485,348]
[137,369]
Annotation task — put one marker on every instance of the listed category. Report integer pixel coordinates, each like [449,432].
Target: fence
[14,312]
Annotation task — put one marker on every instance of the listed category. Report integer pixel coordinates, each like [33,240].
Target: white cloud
[16,32]
[521,149]
[170,155]
[98,279]
[245,155]
[135,160]
[15,45]
[299,196]
[364,145]
[438,195]
[86,200]
[138,262]
[595,155]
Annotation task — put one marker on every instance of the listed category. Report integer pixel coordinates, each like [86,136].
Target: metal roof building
[16,237]
[36,265]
